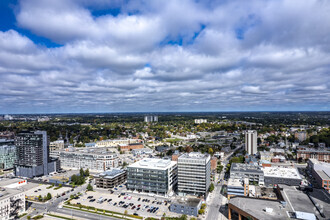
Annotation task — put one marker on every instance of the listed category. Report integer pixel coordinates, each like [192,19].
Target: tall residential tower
[251,142]
[32,151]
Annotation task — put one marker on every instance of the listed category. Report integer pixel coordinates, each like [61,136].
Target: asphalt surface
[215,201]
[52,205]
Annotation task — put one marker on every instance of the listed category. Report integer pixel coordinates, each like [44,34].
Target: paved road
[52,205]
[216,198]
[82,214]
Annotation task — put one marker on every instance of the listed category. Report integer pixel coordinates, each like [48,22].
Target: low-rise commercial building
[96,160]
[129,147]
[281,175]
[321,173]
[186,206]
[153,176]
[237,187]
[194,174]
[312,153]
[110,178]
[253,172]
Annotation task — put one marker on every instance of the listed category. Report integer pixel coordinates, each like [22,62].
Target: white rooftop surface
[235,182]
[281,172]
[305,216]
[153,163]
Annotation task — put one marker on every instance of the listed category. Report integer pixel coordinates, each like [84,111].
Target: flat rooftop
[281,172]
[187,201]
[153,163]
[109,174]
[323,170]
[242,167]
[236,182]
[194,155]
[8,192]
[87,150]
[257,207]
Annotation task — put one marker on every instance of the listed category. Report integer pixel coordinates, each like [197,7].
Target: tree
[40,198]
[211,188]
[49,196]
[210,151]
[28,217]
[87,172]
[201,211]
[89,187]
[183,217]
[82,172]
[125,212]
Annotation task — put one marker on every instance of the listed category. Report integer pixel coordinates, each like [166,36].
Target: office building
[251,142]
[252,172]
[312,153]
[321,172]
[150,118]
[186,206]
[237,187]
[94,159]
[56,145]
[153,175]
[110,178]
[32,152]
[194,174]
[275,175]
[7,156]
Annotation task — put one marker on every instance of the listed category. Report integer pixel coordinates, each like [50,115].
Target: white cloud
[161,55]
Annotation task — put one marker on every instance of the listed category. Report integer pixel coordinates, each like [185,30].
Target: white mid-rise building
[12,199]
[117,142]
[194,174]
[251,147]
[56,145]
[95,161]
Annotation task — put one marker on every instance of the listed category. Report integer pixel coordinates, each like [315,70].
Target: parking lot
[43,191]
[119,201]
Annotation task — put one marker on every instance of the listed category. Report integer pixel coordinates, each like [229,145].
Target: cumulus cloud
[164,56]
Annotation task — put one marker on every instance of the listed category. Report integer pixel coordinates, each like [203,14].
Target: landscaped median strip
[102,212]
[62,217]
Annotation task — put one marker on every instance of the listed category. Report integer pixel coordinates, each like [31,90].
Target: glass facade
[7,156]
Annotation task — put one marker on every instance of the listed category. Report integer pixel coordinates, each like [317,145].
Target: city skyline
[78,56]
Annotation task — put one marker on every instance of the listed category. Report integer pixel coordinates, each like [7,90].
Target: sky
[79,56]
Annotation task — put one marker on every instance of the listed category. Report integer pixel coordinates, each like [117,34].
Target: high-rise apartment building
[32,151]
[151,118]
[194,174]
[251,142]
